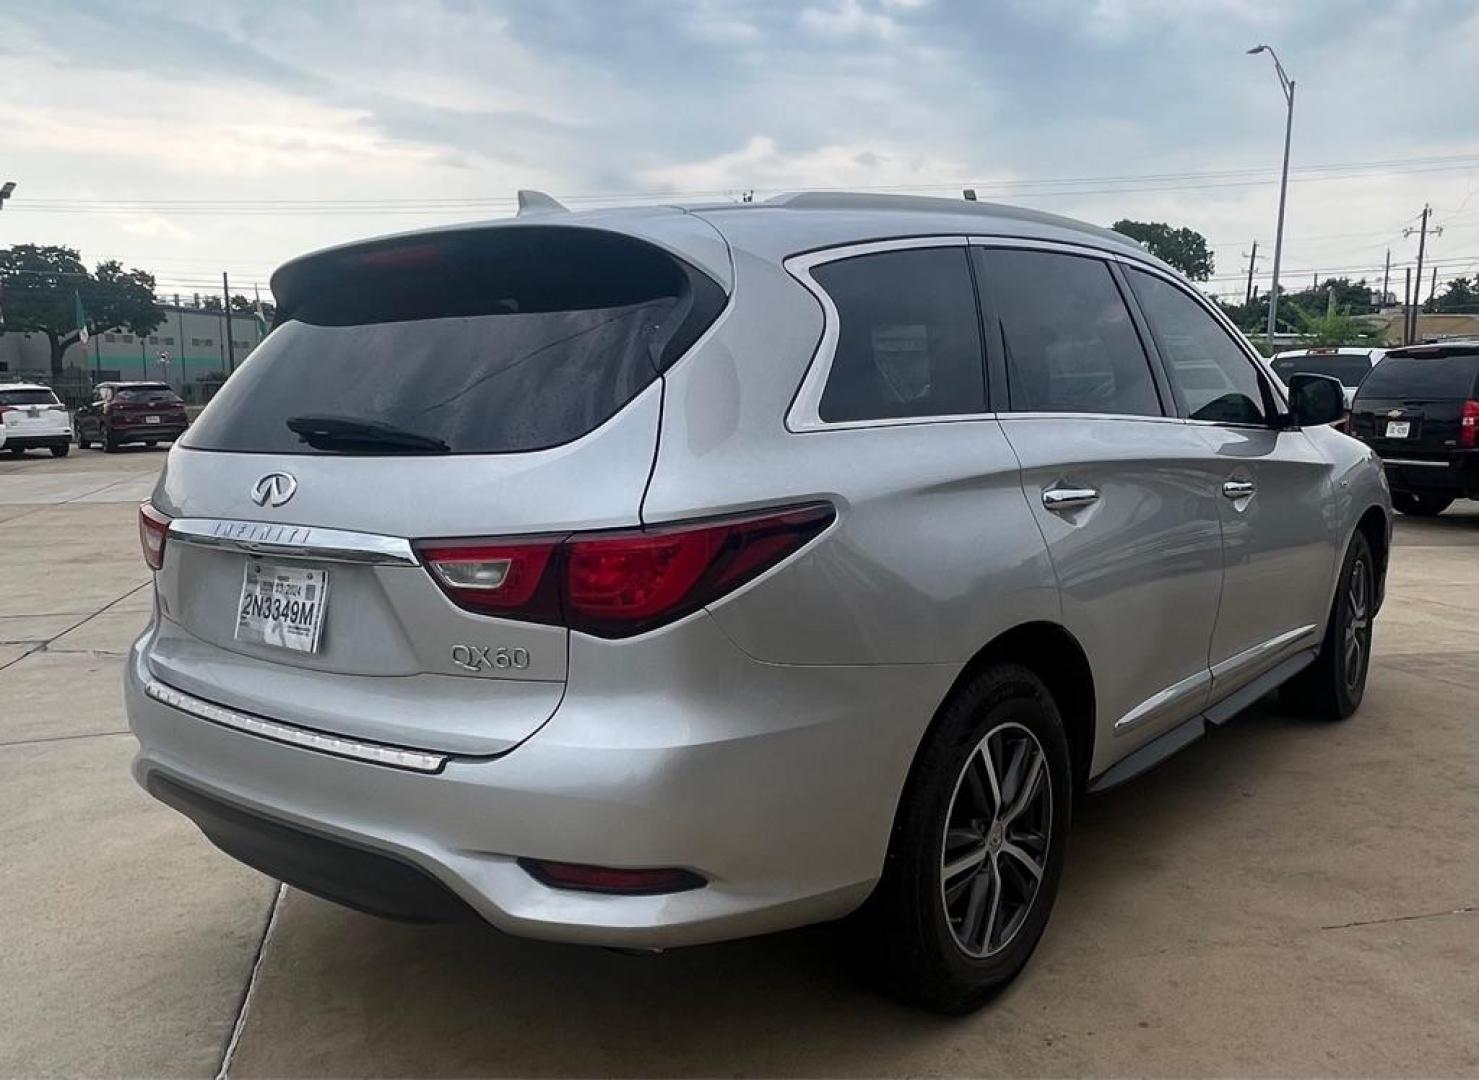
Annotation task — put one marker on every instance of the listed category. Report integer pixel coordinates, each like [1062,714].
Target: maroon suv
[131,412]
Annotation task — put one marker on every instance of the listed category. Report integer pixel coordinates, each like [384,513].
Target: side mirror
[1315,400]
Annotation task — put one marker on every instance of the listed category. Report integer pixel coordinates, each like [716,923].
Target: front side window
[1215,378]
[1069,341]
[909,340]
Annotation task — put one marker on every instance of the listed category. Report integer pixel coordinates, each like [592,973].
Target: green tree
[41,284]
[1337,328]
[1185,249]
[1458,296]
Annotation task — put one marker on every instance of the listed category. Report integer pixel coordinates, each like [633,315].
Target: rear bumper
[36,440]
[140,432]
[776,784]
[1456,474]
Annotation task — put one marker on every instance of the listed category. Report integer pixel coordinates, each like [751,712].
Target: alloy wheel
[996,840]
[1356,644]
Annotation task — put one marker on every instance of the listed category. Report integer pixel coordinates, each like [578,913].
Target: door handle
[1239,489]
[1066,498]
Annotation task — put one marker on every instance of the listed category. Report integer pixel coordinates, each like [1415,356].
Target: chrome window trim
[393,757]
[1409,462]
[293,541]
[804,415]
[1159,418]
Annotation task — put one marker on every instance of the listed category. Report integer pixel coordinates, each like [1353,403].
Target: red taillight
[1468,426]
[153,529]
[617,584]
[610,879]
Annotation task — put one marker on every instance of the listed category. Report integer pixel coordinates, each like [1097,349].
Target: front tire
[977,848]
[82,443]
[61,449]
[1415,505]
[110,444]
[1332,687]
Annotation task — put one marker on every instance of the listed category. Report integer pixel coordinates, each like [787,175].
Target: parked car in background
[33,418]
[653,577]
[1350,366]
[131,412]
[1419,409]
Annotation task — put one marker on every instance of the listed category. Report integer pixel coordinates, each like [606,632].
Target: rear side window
[1423,377]
[1070,345]
[27,397]
[488,341]
[909,339]
[1350,370]
[1216,379]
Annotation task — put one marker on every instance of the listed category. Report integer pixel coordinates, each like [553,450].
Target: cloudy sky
[191,138]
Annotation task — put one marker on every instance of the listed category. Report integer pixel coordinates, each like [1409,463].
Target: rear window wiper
[325,432]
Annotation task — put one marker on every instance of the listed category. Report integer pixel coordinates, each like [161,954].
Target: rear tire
[110,444]
[82,443]
[977,847]
[1420,505]
[61,449]
[1332,687]
[16,451]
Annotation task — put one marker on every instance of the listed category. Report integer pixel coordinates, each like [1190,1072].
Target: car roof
[153,384]
[1343,350]
[23,386]
[774,230]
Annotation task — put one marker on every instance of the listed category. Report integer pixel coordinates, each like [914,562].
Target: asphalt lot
[1283,898]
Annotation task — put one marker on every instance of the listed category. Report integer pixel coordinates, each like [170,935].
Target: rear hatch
[1412,404]
[146,406]
[29,412]
[469,384]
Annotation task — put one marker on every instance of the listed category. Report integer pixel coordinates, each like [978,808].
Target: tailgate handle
[1067,498]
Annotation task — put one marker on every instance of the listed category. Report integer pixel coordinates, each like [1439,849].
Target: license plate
[152,419]
[282,606]
[1398,429]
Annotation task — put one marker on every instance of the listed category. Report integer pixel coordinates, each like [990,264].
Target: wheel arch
[1375,526]
[1053,654]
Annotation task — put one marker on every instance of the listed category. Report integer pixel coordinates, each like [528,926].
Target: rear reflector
[153,529]
[616,584]
[1468,426]
[606,879]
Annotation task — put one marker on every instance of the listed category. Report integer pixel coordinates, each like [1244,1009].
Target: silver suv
[651,577]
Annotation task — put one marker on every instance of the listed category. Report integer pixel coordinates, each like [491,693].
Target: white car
[31,417]
[1350,366]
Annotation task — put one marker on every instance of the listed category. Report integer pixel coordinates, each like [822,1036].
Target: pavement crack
[1466,910]
[60,738]
[229,1053]
[45,645]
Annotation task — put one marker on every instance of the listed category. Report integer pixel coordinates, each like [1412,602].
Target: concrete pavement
[1283,898]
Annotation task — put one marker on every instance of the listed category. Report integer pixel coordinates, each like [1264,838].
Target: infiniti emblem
[274,489]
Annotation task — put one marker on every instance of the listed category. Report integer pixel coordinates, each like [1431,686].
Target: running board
[1189,731]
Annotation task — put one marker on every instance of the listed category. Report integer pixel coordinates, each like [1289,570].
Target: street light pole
[1287,85]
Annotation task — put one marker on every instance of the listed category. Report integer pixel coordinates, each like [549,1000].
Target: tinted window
[909,340]
[1217,380]
[1350,370]
[151,395]
[491,341]
[27,397]
[1423,377]
[1070,345]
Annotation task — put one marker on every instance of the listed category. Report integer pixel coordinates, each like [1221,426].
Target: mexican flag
[81,318]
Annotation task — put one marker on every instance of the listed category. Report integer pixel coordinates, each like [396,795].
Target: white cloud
[848,19]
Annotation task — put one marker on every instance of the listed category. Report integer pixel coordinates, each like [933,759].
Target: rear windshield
[1350,370]
[1422,377]
[27,397]
[492,341]
[149,395]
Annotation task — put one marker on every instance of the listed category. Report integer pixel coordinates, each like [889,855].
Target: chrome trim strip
[294,541]
[1160,702]
[1408,462]
[1261,651]
[804,413]
[375,753]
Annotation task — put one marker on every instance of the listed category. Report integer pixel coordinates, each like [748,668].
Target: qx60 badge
[274,489]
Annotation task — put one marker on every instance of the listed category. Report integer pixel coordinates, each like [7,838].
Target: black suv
[1419,409]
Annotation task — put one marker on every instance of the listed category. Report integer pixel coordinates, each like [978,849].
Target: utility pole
[1407,305]
[1422,244]
[1287,85]
[230,348]
[1386,273]
[1433,291]
[1252,261]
